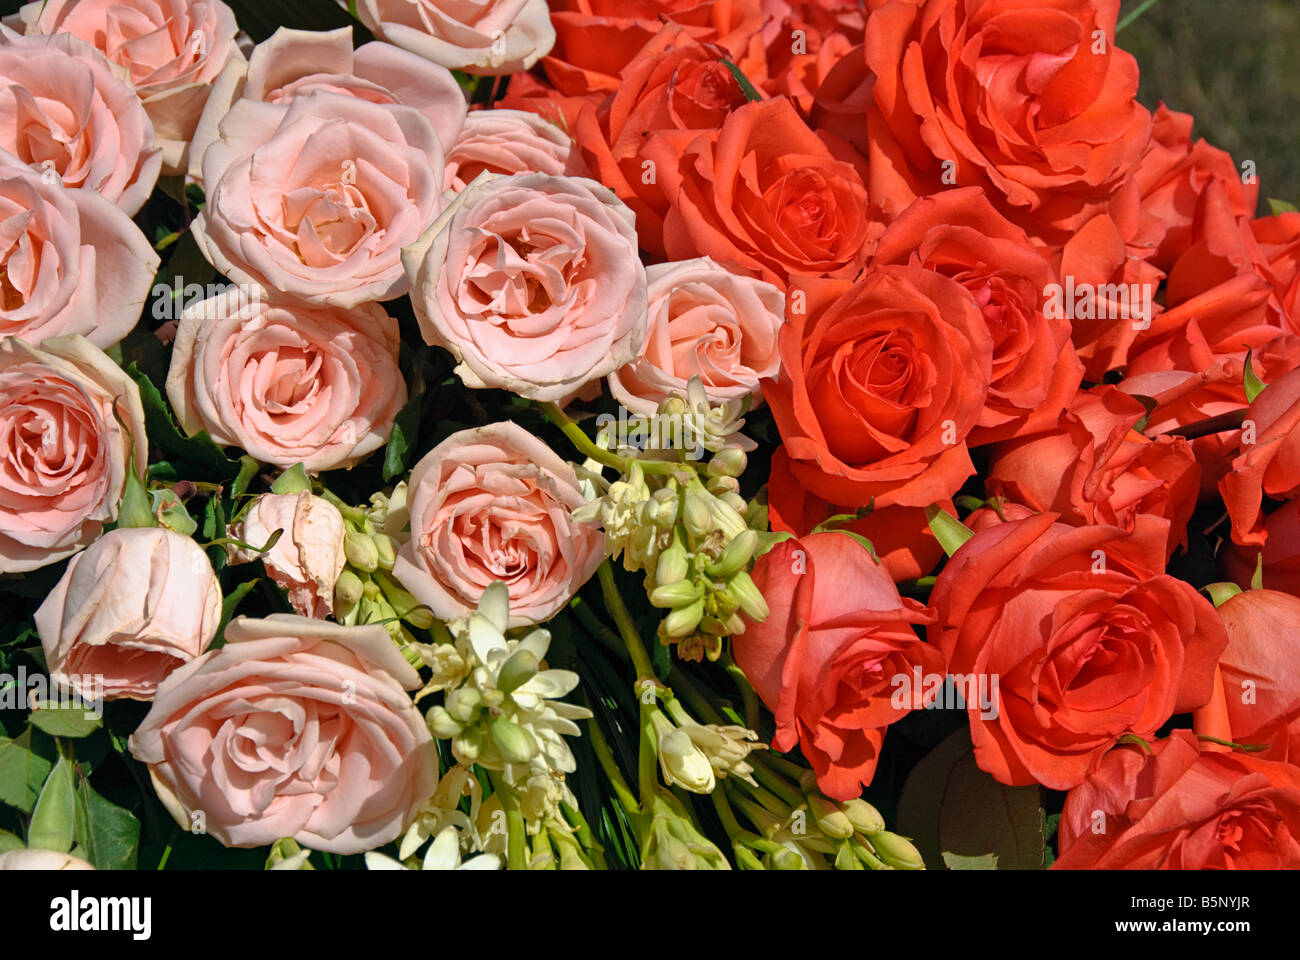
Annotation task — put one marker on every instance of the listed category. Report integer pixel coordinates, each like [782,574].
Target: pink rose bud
[134,606]
[307,558]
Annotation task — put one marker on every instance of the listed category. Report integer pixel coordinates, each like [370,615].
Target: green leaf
[228,607]
[955,861]
[109,834]
[169,510]
[406,429]
[1279,207]
[197,456]
[921,801]
[53,823]
[1140,9]
[1253,385]
[747,88]
[948,530]
[71,721]
[981,817]
[10,841]
[248,468]
[22,771]
[1221,593]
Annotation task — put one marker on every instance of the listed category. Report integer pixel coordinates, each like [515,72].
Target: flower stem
[746,690]
[517,833]
[627,629]
[647,772]
[588,447]
[600,748]
[587,839]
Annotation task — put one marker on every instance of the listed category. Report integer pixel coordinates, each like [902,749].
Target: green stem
[647,769]
[627,629]
[516,831]
[600,748]
[688,691]
[586,838]
[746,690]
[588,447]
[611,640]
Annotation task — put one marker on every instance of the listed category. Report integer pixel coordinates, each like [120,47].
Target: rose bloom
[1190,384]
[1110,258]
[1268,466]
[73,262]
[762,195]
[1280,555]
[597,39]
[1094,467]
[493,503]
[1035,370]
[316,201]
[293,63]
[1173,179]
[295,728]
[1089,640]
[1279,247]
[287,383]
[1260,675]
[173,51]
[491,37]
[64,110]
[129,610]
[307,558]
[1023,100]
[705,322]
[1183,807]
[674,84]
[826,658]
[70,423]
[880,386]
[901,536]
[532,282]
[508,142]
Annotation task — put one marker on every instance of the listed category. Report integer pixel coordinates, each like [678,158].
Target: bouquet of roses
[663,434]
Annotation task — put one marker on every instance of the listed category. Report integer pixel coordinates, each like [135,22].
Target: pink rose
[130,609]
[533,282]
[294,63]
[489,504]
[507,142]
[492,37]
[72,262]
[172,50]
[63,109]
[307,558]
[295,728]
[708,322]
[317,201]
[288,383]
[68,417]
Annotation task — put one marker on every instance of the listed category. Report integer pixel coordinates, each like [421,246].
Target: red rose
[596,39]
[1268,463]
[1183,397]
[675,86]
[1032,102]
[1174,177]
[762,195]
[1095,468]
[880,388]
[1259,673]
[826,658]
[1281,553]
[1035,370]
[1279,246]
[901,536]
[1088,642]
[1182,808]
